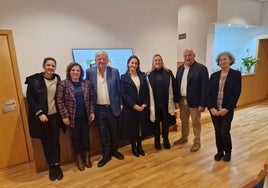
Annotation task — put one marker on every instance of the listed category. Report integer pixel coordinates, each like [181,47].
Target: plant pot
[248,69]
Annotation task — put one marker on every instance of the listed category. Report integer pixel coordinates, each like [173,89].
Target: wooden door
[13,142]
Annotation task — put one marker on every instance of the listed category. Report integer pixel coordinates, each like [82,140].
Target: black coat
[133,120]
[231,91]
[36,96]
[167,75]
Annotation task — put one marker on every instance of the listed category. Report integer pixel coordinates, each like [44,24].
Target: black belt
[103,105]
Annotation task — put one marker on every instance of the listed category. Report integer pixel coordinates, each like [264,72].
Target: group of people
[147,103]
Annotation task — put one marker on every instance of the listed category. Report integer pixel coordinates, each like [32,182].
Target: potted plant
[249,61]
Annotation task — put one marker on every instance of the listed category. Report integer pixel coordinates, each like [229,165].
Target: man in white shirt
[192,78]
[105,81]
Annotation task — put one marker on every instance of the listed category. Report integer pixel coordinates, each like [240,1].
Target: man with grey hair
[192,79]
[105,81]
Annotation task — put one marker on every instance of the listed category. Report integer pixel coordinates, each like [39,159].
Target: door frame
[21,98]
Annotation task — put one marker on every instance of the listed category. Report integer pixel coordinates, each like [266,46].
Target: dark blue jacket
[197,82]
[113,82]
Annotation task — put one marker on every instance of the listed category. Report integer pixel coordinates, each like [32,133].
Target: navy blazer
[231,90]
[129,93]
[113,82]
[197,82]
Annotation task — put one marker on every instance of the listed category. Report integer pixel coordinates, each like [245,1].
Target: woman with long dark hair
[135,98]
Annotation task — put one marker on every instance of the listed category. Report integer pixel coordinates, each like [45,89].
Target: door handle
[9,105]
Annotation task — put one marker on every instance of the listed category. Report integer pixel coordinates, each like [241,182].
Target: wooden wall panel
[254,86]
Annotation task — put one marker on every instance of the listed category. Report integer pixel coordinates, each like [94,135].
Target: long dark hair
[133,57]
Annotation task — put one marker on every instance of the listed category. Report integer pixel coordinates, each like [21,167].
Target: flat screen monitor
[117,57]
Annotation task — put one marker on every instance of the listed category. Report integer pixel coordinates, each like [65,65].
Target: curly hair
[230,56]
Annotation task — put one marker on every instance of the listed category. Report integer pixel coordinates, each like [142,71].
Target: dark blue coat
[132,120]
[197,82]
[113,82]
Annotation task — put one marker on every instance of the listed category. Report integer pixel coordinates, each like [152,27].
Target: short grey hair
[101,52]
[229,54]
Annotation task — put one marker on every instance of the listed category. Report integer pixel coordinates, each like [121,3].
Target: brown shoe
[181,141]
[88,163]
[195,147]
[80,164]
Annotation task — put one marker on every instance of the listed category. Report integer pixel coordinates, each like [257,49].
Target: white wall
[245,12]
[264,15]
[53,28]
[194,19]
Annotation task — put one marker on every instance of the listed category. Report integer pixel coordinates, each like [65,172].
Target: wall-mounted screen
[117,57]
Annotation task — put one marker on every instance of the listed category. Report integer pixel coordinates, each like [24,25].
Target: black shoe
[103,161]
[227,157]
[59,174]
[166,144]
[52,173]
[218,156]
[140,150]
[135,151]
[157,146]
[117,155]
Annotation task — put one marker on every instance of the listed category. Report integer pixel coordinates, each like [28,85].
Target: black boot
[227,157]
[134,149]
[166,143]
[52,173]
[157,144]
[140,150]
[59,174]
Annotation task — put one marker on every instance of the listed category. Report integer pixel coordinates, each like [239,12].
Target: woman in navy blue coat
[135,98]
[223,94]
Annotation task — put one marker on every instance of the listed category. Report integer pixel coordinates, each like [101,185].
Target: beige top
[51,91]
[220,92]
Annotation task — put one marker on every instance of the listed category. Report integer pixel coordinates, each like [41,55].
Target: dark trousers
[222,126]
[80,136]
[108,129]
[50,143]
[160,117]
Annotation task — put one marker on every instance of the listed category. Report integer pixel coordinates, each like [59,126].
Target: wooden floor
[176,167]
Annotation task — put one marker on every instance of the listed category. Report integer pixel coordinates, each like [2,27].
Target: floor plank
[176,167]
